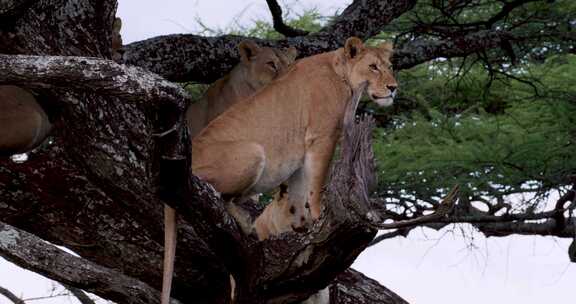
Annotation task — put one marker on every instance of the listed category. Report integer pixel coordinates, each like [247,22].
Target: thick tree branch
[419,51]
[25,33]
[365,18]
[34,254]
[88,74]
[494,226]
[352,286]
[278,21]
[546,223]
[546,228]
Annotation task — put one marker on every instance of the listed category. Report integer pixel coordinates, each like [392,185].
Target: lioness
[23,123]
[287,131]
[258,67]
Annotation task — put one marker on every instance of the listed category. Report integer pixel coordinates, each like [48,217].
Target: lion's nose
[392,88]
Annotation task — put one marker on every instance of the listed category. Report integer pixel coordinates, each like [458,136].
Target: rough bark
[93,75]
[352,287]
[13,8]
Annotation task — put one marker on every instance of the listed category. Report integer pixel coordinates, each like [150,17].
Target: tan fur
[258,67]
[287,131]
[279,215]
[23,123]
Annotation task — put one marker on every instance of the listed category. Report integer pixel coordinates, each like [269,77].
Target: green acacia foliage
[509,138]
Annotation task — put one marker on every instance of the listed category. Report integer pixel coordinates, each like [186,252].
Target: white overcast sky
[453,266]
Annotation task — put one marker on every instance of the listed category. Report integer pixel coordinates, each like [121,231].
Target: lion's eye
[374,67]
[271,64]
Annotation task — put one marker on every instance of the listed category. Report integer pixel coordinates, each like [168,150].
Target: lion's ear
[291,53]
[353,47]
[247,50]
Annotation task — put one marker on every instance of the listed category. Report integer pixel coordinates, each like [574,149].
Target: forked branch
[443,210]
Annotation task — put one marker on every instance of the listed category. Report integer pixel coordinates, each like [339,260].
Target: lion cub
[279,216]
[24,124]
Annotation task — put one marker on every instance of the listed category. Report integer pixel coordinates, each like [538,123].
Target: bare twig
[11,296]
[278,21]
[389,235]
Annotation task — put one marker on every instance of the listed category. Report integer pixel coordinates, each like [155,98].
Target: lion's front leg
[316,165]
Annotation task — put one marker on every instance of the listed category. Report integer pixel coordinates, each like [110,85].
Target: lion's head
[263,64]
[361,63]
[281,216]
